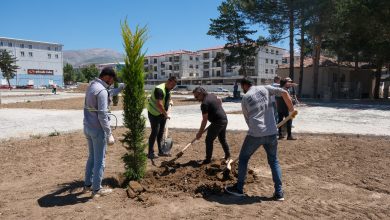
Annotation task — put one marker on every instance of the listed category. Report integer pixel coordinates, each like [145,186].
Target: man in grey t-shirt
[259,115]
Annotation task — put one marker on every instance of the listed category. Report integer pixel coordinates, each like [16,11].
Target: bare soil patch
[77,103]
[324,176]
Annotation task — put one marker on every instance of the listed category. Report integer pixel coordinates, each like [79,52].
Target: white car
[221,90]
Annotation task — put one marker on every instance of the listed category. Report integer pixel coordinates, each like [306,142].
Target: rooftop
[32,41]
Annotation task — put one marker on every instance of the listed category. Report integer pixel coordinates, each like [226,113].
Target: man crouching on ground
[97,128]
[258,112]
[212,110]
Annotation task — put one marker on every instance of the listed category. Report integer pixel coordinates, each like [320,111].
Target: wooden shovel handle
[193,140]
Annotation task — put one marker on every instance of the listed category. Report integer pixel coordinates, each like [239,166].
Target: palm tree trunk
[316,63]
[291,28]
[302,57]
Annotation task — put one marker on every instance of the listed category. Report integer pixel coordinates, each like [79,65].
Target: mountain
[91,56]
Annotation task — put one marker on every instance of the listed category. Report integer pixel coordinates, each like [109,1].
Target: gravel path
[357,119]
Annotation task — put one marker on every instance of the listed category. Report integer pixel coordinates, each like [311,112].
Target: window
[206,65]
[276,52]
[276,62]
[176,67]
[162,65]
[155,60]
[272,51]
[218,73]
[266,50]
[190,57]
[22,53]
[146,69]
[56,56]
[196,67]
[162,73]
[48,48]
[155,68]
[272,71]
[197,58]
[170,59]
[206,56]
[266,71]
[146,61]
[56,48]
[30,54]
[191,74]
[206,73]
[21,45]
[272,61]
[176,59]
[219,64]
[191,66]
[170,67]
[1,44]
[49,56]
[266,60]
[10,44]
[30,46]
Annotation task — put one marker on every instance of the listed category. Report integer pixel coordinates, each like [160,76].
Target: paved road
[359,119]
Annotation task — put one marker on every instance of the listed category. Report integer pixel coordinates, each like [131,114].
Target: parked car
[220,89]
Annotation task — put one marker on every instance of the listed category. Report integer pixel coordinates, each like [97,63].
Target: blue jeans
[94,169]
[249,147]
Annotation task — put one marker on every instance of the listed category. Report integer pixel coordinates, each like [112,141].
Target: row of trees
[352,30]
[84,74]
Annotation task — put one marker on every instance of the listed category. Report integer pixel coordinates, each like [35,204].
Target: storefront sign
[40,72]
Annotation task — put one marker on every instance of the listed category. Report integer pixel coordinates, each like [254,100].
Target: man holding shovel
[212,111]
[158,105]
[258,112]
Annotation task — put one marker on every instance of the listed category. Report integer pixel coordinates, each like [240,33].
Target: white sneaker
[101,192]
[86,189]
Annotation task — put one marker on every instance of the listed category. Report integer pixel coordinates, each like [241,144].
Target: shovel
[229,162]
[180,154]
[167,144]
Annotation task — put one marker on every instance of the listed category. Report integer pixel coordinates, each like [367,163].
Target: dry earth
[324,176]
[76,103]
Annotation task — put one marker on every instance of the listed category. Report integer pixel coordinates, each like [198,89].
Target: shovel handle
[193,140]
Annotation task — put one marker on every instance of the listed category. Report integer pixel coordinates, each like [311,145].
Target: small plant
[54,133]
[35,136]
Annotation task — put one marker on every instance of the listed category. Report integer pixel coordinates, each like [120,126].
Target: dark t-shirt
[158,93]
[281,104]
[212,105]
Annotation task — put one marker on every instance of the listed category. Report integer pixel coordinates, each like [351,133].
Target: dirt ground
[77,103]
[324,176]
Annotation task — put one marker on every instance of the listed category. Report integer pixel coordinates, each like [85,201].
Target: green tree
[134,101]
[79,75]
[8,65]
[278,16]
[231,26]
[90,72]
[69,74]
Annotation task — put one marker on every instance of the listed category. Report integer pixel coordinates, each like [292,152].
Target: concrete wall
[334,82]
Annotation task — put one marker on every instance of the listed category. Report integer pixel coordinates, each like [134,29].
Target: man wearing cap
[158,105]
[258,112]
[97,128]
[283,110]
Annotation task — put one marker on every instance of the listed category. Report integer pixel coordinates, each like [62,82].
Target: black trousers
[157,124]
[216,130]
[281,116]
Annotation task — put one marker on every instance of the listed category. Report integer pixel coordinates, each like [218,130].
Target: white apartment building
[40,63]
[202,67]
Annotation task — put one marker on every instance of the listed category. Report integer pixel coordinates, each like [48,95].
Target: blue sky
[83,24]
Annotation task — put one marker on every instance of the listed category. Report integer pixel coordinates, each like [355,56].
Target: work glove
[111,140]
[121,86]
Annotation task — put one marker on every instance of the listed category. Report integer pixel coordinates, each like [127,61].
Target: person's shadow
[216,195]
[71,194]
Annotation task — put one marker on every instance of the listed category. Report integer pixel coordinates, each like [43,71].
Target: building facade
[202,67]
[40,63]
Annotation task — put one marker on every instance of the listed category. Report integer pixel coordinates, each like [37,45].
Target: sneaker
[101,192]
[164,155]
[234,191]
[86,189]
[152,156]
[281,137]
[206,161]
[291,138]
[278,196]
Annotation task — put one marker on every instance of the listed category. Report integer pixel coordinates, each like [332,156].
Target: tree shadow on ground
[216,194]
[71,193]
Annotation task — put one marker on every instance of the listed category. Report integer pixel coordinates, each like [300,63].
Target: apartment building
[204,68]
[40,63]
